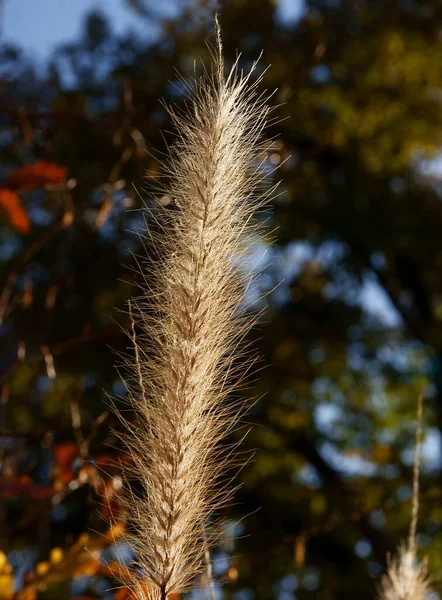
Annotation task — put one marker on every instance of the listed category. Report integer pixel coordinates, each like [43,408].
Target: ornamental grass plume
[407,578]
[190,328]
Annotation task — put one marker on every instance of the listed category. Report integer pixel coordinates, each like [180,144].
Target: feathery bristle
[181,380]
[407,578]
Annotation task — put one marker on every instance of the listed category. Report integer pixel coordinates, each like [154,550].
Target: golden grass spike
[407,578]
[179,384]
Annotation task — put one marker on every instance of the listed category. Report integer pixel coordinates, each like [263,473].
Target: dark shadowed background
[352,285]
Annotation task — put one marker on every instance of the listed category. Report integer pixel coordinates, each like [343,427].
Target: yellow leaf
[56,556]
[6,578]
[42,568]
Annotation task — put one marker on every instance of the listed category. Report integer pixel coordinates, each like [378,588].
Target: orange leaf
[10,203]
[37,175]
[88,567]
[28,594]
[300,551]
[122,594]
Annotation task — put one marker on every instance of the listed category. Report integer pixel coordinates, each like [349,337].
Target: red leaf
[10,203]
[37,175]
[14,488]
[65,454]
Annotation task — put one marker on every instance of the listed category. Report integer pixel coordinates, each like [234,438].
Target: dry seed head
[407,578]
[180,382]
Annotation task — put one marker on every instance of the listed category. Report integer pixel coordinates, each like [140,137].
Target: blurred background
[352,286]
